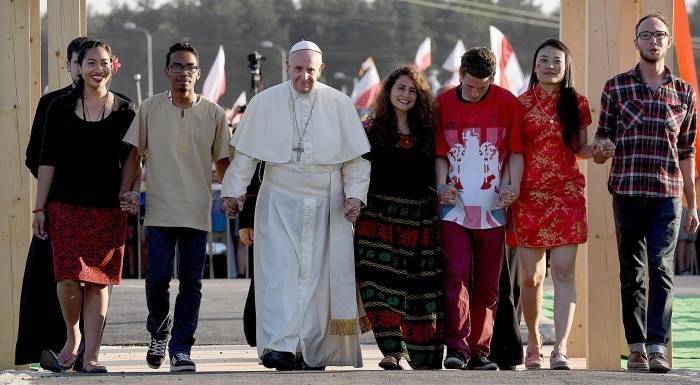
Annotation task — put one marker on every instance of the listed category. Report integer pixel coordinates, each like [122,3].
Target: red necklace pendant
[405,141]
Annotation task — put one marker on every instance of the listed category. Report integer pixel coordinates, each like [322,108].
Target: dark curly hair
[567,105]
[421,118]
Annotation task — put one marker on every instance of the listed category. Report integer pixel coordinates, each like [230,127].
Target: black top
[37,135]
[88,156]
[399,171]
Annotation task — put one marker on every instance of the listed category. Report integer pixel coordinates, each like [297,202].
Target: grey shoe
[658,363]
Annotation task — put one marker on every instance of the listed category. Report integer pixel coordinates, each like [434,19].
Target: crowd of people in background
[411,224]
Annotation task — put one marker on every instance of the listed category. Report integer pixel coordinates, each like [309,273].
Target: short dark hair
[479,62]
[658,16]
[181,46]
[74,46]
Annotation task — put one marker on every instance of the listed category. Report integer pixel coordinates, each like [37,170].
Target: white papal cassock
[304,262]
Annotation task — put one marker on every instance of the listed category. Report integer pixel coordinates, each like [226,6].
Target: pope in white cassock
[315,182]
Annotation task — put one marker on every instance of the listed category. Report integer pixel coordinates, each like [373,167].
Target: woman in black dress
[398,256]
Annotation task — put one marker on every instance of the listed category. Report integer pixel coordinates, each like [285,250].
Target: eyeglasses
[658,35]
[177,68]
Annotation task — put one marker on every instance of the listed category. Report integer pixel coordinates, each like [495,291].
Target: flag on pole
[509,75]
[240,101]
[215,82]
[455,59]
[423,56]
[368,86]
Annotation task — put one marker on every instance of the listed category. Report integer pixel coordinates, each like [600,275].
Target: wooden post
[572,31]
[15,205]
[66,20]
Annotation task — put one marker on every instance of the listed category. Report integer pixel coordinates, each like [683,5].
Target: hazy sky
[102,6]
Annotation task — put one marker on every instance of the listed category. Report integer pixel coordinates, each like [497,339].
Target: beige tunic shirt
[180,146]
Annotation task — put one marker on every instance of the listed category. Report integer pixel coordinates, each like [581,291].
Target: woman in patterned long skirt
[550,213]
[79,177]
[399,260]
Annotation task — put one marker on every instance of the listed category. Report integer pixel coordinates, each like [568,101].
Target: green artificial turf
[685,329]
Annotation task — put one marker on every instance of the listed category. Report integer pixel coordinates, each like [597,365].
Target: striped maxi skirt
[399,267]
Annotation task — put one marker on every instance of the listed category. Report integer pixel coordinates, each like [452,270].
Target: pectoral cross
[298,149]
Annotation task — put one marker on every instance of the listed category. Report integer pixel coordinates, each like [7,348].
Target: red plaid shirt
[652,132]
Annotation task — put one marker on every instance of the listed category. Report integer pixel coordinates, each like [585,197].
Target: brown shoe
[637,361]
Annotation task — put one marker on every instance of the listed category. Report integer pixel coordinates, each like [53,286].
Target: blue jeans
[192,245]
[647,231]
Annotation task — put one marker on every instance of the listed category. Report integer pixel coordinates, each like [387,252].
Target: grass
[685,328]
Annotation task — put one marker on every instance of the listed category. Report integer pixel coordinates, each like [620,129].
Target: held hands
[447,194]
[691,223]
[38,225]
[246,236]
[602,150]
[352,209]
[233,206]
[507,195]
[129,202]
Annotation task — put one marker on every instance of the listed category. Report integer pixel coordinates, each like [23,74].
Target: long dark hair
[567,105]
[421,118]
[82,51]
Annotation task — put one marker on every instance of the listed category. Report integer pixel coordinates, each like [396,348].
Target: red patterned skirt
[87,242]
[546,219]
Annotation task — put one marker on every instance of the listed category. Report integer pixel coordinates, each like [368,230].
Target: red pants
[473,260]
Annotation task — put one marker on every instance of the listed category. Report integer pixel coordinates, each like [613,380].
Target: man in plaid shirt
[647,125]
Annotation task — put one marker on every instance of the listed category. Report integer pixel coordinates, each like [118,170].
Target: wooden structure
[20,65]
[599,32]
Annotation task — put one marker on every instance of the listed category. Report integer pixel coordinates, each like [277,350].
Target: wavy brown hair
[421,118]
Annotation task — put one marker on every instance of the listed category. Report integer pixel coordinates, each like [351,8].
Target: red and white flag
[423,56]
[453,61]
[509,75]
[215,82]
[368,86]
[240,101]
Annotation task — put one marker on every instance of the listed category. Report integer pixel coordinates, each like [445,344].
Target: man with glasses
[182,133]
[647,125]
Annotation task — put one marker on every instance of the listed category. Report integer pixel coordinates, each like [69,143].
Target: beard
[651,59]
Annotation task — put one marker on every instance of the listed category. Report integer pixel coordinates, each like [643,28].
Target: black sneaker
[181,362]
[658,363]
[455,359]
[479,362]
[156,352]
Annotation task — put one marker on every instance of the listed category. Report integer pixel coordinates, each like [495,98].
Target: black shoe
[181,362]
[278,360]
[507,367]
[658,363]
[49,361]
[156,352]
[455,359]
[479,362]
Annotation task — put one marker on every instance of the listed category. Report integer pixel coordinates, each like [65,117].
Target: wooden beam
[572,31]
[64,23]
[15,205]
[610,26]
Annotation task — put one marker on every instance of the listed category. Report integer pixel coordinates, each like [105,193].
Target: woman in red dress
[77,202]
[550,213]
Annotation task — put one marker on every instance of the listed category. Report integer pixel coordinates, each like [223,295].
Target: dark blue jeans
[647,231]
[191,244]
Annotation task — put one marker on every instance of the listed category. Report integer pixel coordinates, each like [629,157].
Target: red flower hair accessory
[116,64]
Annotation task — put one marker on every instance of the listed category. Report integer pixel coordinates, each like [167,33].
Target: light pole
[137,78]
[149,47]
[283,56]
